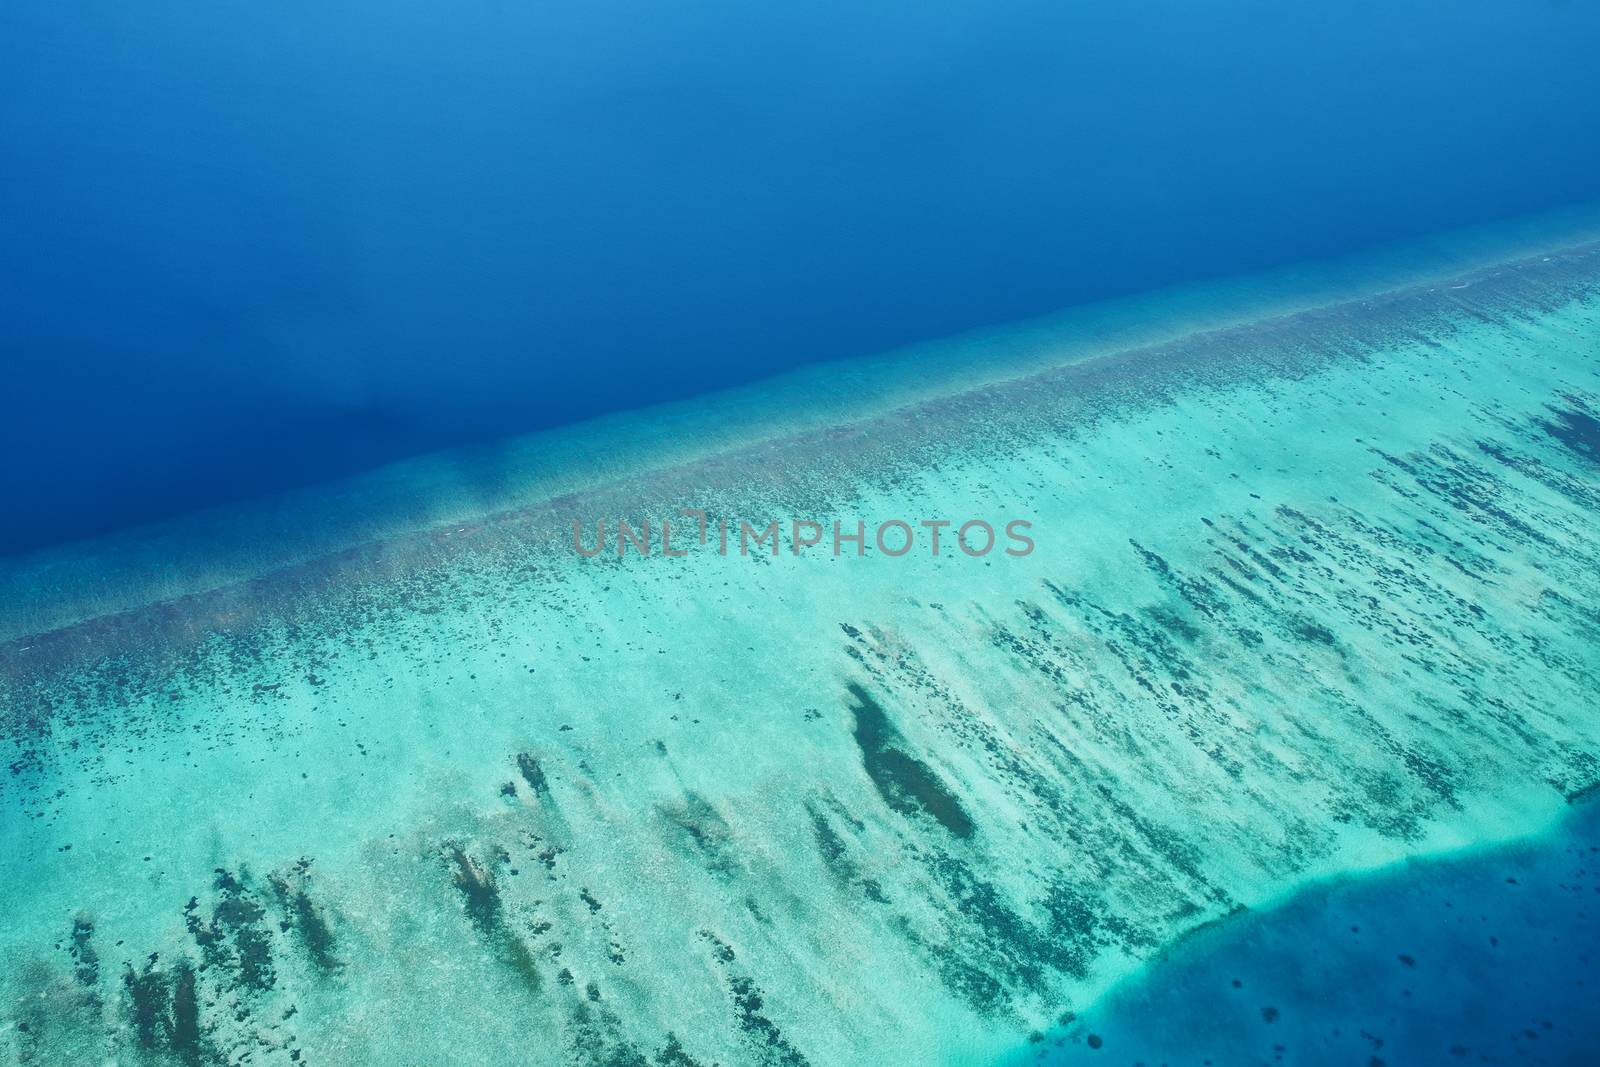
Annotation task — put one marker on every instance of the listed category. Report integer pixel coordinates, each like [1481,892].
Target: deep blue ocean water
[1492,956]
[249,246]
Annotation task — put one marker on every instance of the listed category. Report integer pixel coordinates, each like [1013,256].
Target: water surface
[1488,957]
[251,247]
[1313,593]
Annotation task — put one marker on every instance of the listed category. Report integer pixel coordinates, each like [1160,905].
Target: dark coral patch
[165,1011]
[749,1006]
[481,896]
[86,963]
[906,784]
[531,772]
[304,918]
[236,938]
[1577,429]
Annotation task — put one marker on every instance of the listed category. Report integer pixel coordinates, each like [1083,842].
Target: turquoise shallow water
[1313,593]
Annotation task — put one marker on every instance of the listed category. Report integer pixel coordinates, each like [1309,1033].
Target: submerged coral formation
[1311,594]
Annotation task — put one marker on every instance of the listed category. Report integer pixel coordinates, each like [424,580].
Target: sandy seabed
[1314,591]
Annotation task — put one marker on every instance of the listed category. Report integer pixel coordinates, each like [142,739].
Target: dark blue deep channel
[1488,957]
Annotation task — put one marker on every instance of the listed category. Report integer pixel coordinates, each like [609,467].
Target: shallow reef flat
[1312,593]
